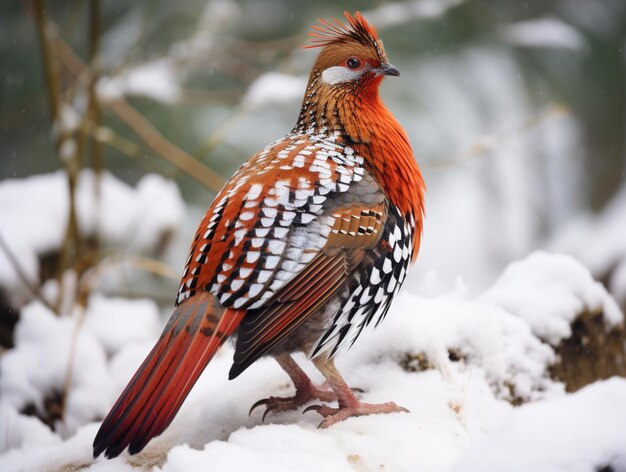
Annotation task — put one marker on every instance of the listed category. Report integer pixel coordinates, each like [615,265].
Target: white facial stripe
[336,74]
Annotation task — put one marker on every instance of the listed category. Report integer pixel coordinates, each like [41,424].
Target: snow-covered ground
[456,361]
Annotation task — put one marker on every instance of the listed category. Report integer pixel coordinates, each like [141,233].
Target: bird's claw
[323,410]
[312,408]
[301,397]
[262,401]
[273,404]
[335,415]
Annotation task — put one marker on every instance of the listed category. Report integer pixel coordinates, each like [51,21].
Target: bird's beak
[387,69]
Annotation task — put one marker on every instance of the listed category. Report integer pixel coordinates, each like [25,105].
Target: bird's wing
[270,221]
[356,230]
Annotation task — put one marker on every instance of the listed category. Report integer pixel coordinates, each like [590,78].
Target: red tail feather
[194,333]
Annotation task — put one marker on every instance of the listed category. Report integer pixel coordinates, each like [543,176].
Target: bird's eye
[354,63]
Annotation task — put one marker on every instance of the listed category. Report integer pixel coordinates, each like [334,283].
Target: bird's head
[353,57]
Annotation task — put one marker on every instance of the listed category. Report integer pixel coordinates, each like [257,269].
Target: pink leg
[349,405]
[305,390]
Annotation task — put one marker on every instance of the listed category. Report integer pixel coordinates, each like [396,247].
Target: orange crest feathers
[357,30]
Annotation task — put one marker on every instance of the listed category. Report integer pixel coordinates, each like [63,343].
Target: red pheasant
[304,246]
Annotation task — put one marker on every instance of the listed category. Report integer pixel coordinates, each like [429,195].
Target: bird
[305,246]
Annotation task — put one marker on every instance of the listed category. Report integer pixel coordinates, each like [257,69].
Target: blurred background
[516,111]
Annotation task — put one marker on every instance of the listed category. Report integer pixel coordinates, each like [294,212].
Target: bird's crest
[358,29]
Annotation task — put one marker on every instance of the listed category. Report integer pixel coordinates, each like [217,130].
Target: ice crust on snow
[460,411]
[154,207]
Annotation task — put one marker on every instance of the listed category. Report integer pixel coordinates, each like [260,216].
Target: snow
[106,315]
[38,366]
[158,80]
[617,285]
[582,432]
[115,336]
[154,206]
[544,32]
[394,13]
[274,88]
[598,241]
[456,361]
[561,288]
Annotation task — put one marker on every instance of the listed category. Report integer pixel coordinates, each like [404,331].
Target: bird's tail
[196,330]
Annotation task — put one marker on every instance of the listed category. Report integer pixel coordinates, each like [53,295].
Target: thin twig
[32,289]
[105,135]
[50,67]
[67,149]
[163,147]
[86,285]
[93,275]
[93,111]
[69,368]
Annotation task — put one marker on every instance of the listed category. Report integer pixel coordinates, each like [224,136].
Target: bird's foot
[335,415]
[302,396]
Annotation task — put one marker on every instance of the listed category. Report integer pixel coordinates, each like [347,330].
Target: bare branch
[163,147]
[32,289]
[105,135]
[67,148]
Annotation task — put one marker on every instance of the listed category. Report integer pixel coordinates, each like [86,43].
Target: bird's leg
[305,389]
[349,405]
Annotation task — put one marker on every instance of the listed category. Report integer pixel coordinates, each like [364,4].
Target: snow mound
[582,432]
[154,206]
[37,368]
[118,322]
[458,336]
[548,291]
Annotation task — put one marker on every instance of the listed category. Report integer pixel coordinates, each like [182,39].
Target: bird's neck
[359,118]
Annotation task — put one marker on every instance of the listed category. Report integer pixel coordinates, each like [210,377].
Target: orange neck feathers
[354,111]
